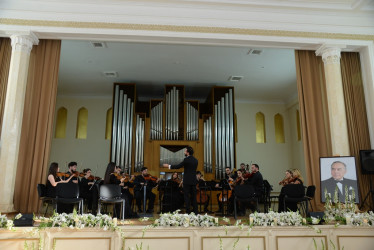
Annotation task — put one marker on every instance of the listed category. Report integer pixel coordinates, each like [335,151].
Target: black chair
[68,193]
[309,195]
[294,194]
[265,197]
[111,194]
[245,194]
[42,192]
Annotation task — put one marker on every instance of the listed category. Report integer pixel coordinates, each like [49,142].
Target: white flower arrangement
[78,221]
[276,219]
[5,223]
[337,211]
[185,220]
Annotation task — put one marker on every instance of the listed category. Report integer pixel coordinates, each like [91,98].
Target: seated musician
[72,170]
[53,180]
[255,179]
[172,193]
[287,178]
[242,192]
[201,195]
[148,181]
[243,170]
[225,195]
[113,176]
[294,188]
[86,190]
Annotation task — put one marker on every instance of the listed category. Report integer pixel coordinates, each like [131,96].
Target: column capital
[23,42]
[330,53]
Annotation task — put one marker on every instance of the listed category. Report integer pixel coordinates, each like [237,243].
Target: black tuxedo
[189,181]
[330,185]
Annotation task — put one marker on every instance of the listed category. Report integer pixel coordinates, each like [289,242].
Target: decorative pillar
[13,114]
[335,99]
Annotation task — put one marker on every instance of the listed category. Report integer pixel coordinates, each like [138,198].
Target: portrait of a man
[339,172]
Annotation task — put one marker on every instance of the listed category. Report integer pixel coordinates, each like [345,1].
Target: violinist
[73,171]
[148,181]
[172,198]
[225,185]
[202,197]
[113,176]
[243,170]
[53,180]
[294,188]
[287,178]
[88,191]
[256,180]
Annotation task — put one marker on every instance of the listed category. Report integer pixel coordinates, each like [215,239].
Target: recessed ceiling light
[235,78]
[98,44]
[255,52]
[110,74]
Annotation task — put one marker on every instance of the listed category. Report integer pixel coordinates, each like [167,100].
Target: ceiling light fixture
[110,74]
[98,44]
[255,52]
[235,78]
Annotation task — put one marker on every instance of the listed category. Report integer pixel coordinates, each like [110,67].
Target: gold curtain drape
[357,123]
[37,124]
[313,115]
[5,54]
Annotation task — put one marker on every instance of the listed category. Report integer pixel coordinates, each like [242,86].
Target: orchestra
[170,191]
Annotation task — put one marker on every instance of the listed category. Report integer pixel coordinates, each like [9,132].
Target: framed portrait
[339,172]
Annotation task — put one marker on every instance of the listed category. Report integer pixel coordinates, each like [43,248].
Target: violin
[127,178]
[67,175]
[118,176]
[93,178]
[149,177]
[248,175]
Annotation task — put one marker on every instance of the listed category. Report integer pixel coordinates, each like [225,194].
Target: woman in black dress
[53,180]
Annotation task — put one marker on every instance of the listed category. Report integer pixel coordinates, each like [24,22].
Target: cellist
[201,196]
[226,193]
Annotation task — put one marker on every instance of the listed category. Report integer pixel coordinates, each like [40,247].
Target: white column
[335,99]
[13,114]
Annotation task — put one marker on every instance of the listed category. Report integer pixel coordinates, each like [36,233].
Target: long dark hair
[109,169]
[53,169]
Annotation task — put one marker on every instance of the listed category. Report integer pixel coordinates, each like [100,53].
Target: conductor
[189,178]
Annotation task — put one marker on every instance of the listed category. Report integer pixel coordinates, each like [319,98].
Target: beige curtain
[5,54]
[313,116]
[357,123]
[37,124]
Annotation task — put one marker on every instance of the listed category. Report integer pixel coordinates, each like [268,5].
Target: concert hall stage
[193,238]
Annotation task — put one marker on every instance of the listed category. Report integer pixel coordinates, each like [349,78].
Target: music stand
[144,214]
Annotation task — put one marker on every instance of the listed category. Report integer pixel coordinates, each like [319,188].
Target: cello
[201,196]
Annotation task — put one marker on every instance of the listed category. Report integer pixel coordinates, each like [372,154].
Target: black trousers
[190,195]
[139,197]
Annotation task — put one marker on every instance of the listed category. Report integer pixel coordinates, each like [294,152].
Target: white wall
[92,152]
[273,158]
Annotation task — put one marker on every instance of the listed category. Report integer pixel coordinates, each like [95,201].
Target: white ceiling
[269,77]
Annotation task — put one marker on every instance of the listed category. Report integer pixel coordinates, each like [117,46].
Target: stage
[137,236]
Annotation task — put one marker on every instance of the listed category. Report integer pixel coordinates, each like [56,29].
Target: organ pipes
[192,117]
[139,143]
[123,114]
[208,168]
[168,156]
[172,114]
[224,134]
[156,122]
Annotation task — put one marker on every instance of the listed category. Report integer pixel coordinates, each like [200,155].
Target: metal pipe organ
[171,124]
[192,124]
[171,154]
[208,164]
[172,115]
[224,134]
[123,113]
[156,122]
[139,142]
